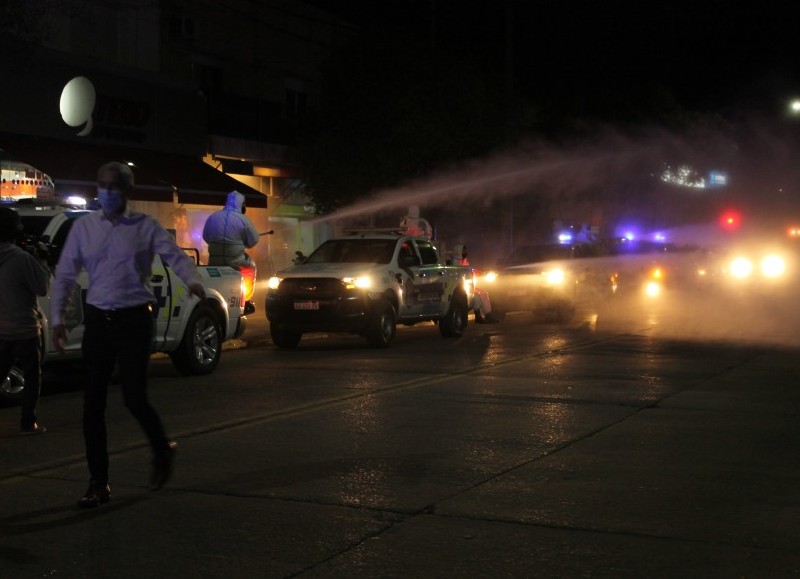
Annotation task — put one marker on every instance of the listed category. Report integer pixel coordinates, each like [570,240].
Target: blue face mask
[111,200]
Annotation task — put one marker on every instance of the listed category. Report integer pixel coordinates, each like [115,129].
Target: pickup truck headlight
[274,282]
[360,282]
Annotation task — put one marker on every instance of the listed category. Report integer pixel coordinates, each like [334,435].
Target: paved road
[520,450]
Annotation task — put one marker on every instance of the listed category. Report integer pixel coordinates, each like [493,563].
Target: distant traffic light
[730,220]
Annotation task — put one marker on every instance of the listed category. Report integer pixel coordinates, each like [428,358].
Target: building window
[296,103]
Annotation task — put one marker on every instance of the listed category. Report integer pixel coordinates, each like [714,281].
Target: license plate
[309,305]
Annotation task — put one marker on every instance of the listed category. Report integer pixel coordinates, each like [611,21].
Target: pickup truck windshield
[354,251]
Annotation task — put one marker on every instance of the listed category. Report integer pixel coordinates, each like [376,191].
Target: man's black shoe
[35,428]
[95,495]
[162,467]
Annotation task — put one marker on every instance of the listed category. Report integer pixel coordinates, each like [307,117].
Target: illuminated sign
[717,179]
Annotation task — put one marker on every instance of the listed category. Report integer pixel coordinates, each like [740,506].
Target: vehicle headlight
[490,277]
[773,266]
[554,276]
[741,267]
[652,289]
[274,282]
[360,282]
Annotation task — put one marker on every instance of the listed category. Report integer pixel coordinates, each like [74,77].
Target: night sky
[620,90]
[712,55]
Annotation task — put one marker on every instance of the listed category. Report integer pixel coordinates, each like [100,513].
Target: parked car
[189,330]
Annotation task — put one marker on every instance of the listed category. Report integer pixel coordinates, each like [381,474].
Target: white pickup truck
[190,331]
[365,284]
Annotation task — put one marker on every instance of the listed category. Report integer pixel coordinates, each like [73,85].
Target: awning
[73,168]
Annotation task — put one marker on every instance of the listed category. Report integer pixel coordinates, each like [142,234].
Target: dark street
[521,449]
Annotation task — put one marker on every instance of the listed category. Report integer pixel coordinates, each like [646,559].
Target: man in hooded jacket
[22,278]
[229,232]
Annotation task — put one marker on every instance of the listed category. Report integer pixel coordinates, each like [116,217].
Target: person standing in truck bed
[229,232]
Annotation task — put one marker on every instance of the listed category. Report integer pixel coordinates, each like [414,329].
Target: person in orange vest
[413,224]
[461,257]
[481,304]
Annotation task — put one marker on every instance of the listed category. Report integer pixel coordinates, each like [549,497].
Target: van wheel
[382,325]
[201,347]
[12,387]
[284,338]
[453,323]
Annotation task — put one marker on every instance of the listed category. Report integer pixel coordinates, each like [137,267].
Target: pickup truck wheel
[201,346]
[12,387]
[453,323]
[382,325]
[284,338]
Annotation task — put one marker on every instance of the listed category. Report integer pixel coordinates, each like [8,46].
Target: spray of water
[602,165]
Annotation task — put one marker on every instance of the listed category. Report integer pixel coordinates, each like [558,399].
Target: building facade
[200,96]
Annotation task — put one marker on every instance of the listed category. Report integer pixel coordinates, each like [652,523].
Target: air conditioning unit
[181,27]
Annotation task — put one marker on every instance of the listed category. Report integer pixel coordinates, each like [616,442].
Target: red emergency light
[730,220]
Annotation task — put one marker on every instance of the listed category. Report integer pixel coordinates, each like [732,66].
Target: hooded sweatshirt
[22,278]
[228,232]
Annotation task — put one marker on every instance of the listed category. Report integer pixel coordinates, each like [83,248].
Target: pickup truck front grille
[312,288]
[317,304]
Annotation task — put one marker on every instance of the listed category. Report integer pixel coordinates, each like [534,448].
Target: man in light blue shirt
[116,247]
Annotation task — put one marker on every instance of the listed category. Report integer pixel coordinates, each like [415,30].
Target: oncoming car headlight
[554,276]
[490,277]
[652,289]
[273,282]
[741,267]
[360,282]
[773,266]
